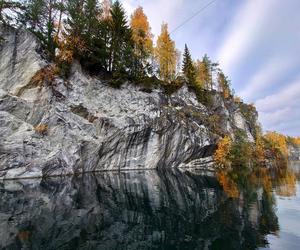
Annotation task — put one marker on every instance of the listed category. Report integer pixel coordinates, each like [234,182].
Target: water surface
[150,210]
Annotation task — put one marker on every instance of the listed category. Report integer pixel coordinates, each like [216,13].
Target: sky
[256,43]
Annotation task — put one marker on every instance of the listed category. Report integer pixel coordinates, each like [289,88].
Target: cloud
[266,77]
[157,11]
[257,43]
[242,32]
[280,111]
[287,96]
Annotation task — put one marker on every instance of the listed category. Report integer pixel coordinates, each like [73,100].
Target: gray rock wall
[92,126]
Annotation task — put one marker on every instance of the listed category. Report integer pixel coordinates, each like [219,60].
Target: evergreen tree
[74,26]
[40,17]
[188,67]
[106,31]
[121,43]
[94,55]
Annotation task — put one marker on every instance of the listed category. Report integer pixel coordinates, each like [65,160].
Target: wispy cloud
[257,43]
[242,32]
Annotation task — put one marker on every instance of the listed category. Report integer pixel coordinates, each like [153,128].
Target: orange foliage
[67,45]
[229,187]
[223,151]
[141,31]
[45,75]
[41,129]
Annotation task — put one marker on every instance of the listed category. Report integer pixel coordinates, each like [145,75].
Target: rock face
[91,126]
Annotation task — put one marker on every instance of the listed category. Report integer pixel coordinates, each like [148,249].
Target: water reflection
[141,210]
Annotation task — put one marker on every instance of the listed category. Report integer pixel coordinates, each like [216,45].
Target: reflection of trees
[255,188]
[137,210]
[286,184]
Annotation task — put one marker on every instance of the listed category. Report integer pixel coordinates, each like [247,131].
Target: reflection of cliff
[133,210]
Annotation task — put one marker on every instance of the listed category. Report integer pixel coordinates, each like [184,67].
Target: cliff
[58,127]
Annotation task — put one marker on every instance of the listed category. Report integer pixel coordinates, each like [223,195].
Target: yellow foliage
[203,73]
[277,142]
[223,151]
[41,129]
[296,140]
[166,55]
[223,85]
[141,31]
[259,153]
[287,184]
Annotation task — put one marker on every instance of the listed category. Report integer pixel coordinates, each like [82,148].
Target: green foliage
[40,16]
[188,67]
[121,46]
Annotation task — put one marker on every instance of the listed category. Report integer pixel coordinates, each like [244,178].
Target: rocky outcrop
[90,126]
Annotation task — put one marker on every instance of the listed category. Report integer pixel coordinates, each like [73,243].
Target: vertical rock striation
[91,126]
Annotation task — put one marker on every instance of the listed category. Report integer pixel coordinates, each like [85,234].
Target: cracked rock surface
[91,126]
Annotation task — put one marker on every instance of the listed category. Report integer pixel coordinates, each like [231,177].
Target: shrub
[41,129]
[44,76]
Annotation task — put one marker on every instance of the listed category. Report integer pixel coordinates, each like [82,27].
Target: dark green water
[150,210]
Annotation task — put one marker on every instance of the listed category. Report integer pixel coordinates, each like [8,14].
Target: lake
[174,209]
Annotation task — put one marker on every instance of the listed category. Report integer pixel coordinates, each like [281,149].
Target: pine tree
[40,17]
[188,67]
[166,55]
[143,44]
[74,27]
[121,43]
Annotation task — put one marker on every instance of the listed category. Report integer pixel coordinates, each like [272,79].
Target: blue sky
[256,42]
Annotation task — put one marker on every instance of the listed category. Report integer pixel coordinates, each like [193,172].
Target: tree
[203,73]
[224,84]
[74,27]
[166,54]
[40,17]
[188,67]
[121,43]
[143,44]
